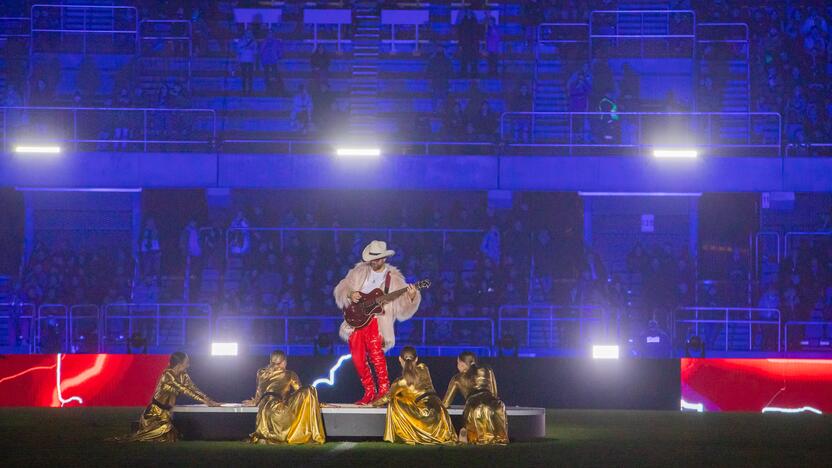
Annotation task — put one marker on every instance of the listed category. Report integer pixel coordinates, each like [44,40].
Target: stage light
[805,409]
[28,149]
[604,351]
[331,380]
[698,407]
[358,152]
[675,153]
[223,349]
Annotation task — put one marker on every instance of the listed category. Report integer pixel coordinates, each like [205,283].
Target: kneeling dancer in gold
[287,413]
[155,424]
[415,414]
[484,416]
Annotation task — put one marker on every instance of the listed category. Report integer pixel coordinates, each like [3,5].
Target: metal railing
[52,313]
[790,237]
[562,33]
[550,320]
[809,149]
[724,38]
[84,323]
[123,15]
[728,313]
[20,320]
[824,327]
[388,233]
[293,330]
[14,26]
[613,21]
[760,238]
[87,124]
[292,147]
[640,131]
[124,319]
[168,32]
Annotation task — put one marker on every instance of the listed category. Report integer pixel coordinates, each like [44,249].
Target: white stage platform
[235,422]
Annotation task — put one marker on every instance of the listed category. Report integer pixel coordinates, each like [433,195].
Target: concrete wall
[546,173]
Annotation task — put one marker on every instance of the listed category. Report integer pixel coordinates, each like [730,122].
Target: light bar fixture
[27,149]
[675,153]
[605,352]
[358,152]
[223,349]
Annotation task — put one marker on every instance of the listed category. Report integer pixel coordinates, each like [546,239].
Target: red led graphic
[79,379]
[769,385]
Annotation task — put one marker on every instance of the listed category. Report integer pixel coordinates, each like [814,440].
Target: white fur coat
[401,309]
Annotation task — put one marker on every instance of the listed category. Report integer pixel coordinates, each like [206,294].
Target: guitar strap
[386,287]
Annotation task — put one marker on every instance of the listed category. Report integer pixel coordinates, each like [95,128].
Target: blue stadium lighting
[331,380]
[675,153]
[45,149]
[805,409]
[358,152]
[698,407]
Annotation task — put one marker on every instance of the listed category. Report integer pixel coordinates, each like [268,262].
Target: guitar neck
[391,296]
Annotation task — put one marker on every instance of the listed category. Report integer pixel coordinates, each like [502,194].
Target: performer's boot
[369,388]
[376,352]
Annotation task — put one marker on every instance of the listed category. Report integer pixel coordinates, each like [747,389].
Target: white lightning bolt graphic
[774,409]
[58,380]
[331,380]
[698,407]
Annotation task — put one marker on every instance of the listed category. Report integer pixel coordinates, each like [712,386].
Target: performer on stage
[484,416]
[372,340]
[415,414]
[155,424]
[287,413]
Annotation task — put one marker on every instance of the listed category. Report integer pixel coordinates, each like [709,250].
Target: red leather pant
[366,346]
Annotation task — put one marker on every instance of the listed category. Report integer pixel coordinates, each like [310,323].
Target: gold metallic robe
[484,416]
[415,414]
[156,424]
[287,413]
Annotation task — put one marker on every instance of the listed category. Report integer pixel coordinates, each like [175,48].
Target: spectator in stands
[270,53]
[738,277]
[122,119]
[302,108]
[654,343]
[493,41]
[469,36]
[41,94]
[630,89]
[485,123]
[320,63]
[490,245]
[150,251]
[532,17]
[521,101]
[246,56]
[239,237]
[455,121]
[192,251]
[578,87]
[439,71]
[323,102]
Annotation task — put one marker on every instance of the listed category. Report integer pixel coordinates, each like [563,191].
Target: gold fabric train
[156,424]
[415,414]
[287,413]
[484,416]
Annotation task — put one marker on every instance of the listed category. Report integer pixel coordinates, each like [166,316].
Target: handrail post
[726,329]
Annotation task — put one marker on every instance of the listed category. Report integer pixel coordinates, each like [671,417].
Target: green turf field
[75,436]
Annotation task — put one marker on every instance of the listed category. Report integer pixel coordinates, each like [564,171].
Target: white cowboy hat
[375,250]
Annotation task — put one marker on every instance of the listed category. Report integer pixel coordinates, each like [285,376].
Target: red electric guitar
[359,314]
